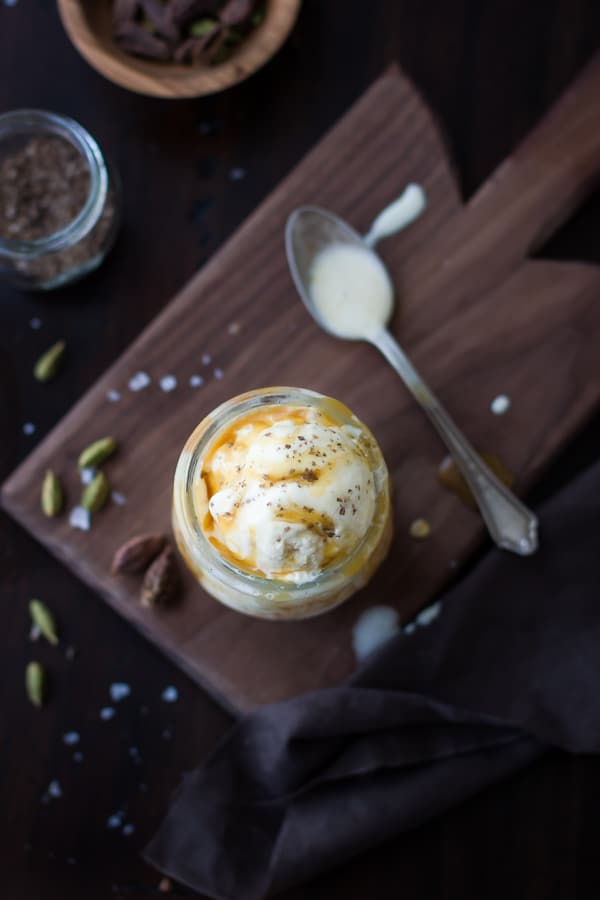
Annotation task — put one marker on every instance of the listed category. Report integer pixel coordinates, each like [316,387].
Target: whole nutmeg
[136,554]
[161,582]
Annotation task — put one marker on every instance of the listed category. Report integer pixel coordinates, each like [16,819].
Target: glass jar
[298,595]
[59,200]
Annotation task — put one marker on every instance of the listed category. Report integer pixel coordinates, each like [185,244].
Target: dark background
[489,68]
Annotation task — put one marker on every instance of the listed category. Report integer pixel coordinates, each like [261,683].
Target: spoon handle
[510,523]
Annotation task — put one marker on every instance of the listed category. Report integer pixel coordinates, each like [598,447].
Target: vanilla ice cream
[289,492]
[281,507]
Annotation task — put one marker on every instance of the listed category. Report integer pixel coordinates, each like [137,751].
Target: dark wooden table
[489,69]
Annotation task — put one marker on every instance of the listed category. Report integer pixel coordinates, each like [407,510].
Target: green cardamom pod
[97,453]
[50,362]
[45,621]
[202,27]
[35,683]
[52,494]
[95,494]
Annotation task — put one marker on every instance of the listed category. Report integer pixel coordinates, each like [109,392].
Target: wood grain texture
[477,317]
[89,26]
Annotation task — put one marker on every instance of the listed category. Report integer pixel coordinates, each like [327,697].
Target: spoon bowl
[309,231]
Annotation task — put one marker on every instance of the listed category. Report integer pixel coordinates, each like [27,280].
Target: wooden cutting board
[478,317]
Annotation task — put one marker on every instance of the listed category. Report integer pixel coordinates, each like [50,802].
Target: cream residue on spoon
[351,290]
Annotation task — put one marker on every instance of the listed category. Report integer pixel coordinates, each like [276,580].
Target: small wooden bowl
[89,26]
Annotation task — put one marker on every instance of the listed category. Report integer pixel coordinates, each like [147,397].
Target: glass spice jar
[59,200]
[281,503]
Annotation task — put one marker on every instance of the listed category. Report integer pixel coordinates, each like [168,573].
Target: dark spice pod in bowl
[167,61]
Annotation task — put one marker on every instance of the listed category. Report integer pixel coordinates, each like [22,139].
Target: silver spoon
[309,231]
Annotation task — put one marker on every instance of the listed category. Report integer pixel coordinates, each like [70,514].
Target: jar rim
[39,121]
[222,416]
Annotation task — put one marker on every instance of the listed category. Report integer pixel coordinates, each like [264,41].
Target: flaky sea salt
[107,712]
[170,694]
[119,690]
[500,404]
[128,829]
[196,381]
[139,381]
[54,789]
[206,359]
[34,633]
[118,498]
[79,517]
[168,383]
[218,373]
[113,396]
[135,754]
[429,614]
[36,322]
[87,474]
[115,821]
[28,428]
[373,628]
[70,738]
[234,328]
[237,173]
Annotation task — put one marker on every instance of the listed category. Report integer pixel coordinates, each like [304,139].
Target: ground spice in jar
[44,184]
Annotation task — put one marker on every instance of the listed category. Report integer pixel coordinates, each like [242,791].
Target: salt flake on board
[28,428]
[87,474]
[206,359]
[118,498]
[113,396]
[81,518]
[70,738]
[170,694]
[168,383]
[139,381]
[218,373]
[196,381]
[36,322]
[500,404]
[107,712]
